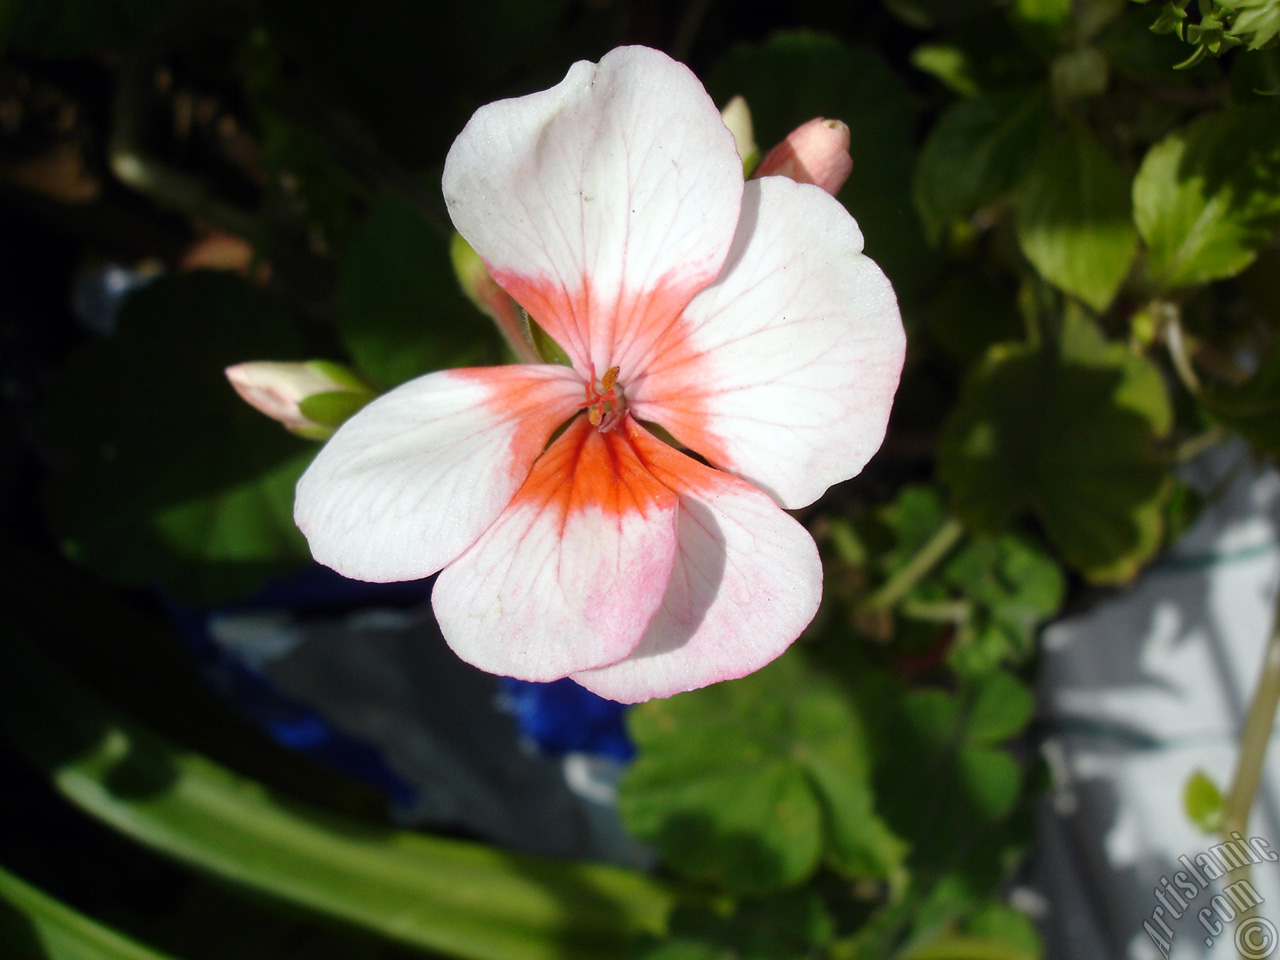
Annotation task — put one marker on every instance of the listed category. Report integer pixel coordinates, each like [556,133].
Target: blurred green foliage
[1068,203]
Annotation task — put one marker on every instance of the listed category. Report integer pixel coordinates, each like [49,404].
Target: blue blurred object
[237,673]
[100,292]
[562,717]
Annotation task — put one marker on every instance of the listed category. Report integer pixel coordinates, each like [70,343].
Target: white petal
[747,580]
[570,575]
[415,477]
[603,204]
[783,371]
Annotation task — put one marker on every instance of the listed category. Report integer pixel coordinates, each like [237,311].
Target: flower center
[605,407]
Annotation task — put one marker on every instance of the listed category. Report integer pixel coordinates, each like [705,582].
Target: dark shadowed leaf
[1070,434]
[163,474]
[400,311]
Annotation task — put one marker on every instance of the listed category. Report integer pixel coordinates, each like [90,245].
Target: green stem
[928,557]
[1258,724]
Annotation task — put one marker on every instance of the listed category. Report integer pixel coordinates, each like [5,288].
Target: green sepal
[333,408]
[548,349]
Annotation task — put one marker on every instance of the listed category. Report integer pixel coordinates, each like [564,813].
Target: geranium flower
[744,321]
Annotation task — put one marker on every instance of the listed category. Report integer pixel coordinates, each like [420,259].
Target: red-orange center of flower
[605,407]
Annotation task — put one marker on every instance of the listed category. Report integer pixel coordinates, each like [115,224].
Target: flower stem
[928,557]
[1258,724]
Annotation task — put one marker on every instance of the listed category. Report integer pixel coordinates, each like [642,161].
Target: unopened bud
[490,299]
[311,399]
[816,152]
[737,117]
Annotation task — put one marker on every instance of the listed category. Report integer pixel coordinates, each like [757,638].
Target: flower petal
[782,371]
[747,580]
[570,575]
[415,477]
[603,204]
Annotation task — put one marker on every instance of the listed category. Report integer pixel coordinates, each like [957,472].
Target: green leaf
[977,152]
[53,930]
[1012,587]
[1256,22]
[963,947]
[1208,196]
[797,75]
[1203,802]
[781,927]
[1252,408]
[750,783]
[1073,217]
[1010,927]
[163,474]
[949,64]
[399,310]
[1070,434]
[464,899]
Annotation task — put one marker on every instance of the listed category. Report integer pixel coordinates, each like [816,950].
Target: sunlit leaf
[1208,196]
[1203,802]
[1073,217]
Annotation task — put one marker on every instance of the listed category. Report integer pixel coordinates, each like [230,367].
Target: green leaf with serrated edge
[749,783]
[1070,434]
[32,923]
[976,152]
[1252,408]
[399,310]
[1203,802]
[797,75]
[1208,196]
[163,475]
[459,898]
[1073,217]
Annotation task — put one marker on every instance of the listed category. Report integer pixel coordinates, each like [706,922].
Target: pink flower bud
[816,152]
[280,390]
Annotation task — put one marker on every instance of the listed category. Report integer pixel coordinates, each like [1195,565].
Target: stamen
[605,408]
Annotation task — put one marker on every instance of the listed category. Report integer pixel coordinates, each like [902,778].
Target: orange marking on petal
[542,404]
[585,469]
[592,326]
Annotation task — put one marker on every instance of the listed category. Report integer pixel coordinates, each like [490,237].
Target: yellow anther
[609,379]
